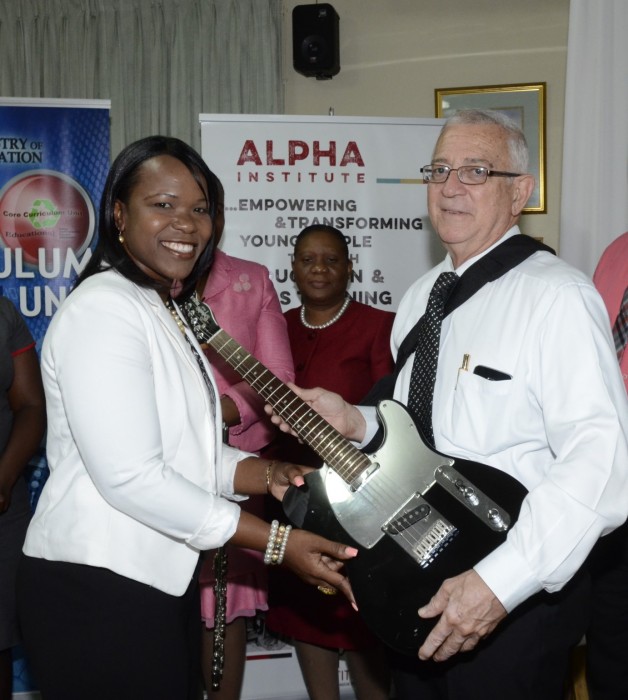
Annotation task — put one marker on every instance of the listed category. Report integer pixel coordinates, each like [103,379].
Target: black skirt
[91,633]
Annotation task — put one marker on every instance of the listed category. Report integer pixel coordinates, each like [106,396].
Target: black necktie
[620,329]
[421,395]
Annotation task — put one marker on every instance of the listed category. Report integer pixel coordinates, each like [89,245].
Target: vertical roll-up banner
[359,174]
[54,159]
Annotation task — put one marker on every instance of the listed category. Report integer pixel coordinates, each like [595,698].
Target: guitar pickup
[398,525]
[420,531]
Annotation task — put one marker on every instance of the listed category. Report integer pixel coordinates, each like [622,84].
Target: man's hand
[469,612]
[343,416]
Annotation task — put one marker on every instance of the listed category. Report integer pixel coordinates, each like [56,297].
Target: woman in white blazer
[140,482]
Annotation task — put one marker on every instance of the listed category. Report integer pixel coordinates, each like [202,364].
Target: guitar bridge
[433,543]
[420,530]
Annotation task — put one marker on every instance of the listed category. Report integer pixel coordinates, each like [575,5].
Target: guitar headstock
[200,319]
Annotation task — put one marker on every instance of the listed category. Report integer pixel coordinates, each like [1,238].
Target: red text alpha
[299,151]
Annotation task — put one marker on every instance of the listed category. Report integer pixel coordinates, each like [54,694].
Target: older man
[539,396]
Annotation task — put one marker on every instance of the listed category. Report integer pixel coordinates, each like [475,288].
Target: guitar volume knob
[496,519]
[468,492]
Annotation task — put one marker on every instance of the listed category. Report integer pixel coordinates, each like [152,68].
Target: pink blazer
[246,306]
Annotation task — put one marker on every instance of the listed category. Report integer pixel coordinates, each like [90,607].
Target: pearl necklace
[174,313]
[331,321]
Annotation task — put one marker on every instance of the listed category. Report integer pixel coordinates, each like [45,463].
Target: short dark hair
[322,228]
[122,178]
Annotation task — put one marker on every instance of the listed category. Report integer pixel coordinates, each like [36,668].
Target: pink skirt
[247,585]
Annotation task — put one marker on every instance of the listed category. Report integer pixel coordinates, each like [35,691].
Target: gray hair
[515,138]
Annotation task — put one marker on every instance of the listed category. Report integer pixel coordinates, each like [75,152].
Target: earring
[121,237]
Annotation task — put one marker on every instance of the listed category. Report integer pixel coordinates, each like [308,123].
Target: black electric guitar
[416,516]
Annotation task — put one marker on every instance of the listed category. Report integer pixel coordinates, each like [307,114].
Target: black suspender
[488,268]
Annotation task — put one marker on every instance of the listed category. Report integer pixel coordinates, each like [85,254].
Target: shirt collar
[449,266]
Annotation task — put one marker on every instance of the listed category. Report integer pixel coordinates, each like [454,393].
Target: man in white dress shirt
[541,399]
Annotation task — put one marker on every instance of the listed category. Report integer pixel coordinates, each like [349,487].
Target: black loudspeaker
[315,40]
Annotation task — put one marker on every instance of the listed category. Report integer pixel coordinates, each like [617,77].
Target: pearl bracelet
[277,542]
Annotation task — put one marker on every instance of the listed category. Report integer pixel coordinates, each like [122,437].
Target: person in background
[343,345]
[607,634]
[245,305]
[525,381]
[611,280]
[22,426]
[140,482]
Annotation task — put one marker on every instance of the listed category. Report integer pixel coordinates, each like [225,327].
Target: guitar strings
[348,462]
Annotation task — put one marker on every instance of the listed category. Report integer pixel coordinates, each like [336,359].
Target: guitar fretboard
[334,449]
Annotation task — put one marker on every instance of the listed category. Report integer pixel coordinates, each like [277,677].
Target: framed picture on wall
[522,102]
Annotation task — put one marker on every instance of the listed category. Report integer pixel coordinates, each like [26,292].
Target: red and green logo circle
[45,210]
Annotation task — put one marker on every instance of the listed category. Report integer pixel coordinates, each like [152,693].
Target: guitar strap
[488,268]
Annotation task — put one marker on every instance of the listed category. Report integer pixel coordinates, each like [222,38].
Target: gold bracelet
[268,475]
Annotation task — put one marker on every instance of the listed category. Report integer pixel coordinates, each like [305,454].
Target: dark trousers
[90,633]
[525,658]
[607,635]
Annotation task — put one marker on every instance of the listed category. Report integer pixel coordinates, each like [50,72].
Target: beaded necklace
[175,314]
[331,321]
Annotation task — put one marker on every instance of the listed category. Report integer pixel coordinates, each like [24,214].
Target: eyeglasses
[467,174]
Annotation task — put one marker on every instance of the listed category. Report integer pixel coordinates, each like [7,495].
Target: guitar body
[416,516]
[391,581]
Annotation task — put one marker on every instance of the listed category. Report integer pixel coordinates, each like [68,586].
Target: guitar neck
[335,450]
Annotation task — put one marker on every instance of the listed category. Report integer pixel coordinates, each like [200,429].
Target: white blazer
[139,479]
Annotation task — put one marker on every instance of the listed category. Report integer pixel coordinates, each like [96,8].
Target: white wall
[395,53]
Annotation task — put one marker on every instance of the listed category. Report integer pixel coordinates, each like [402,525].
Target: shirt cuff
[508,575]
[218,527]
[370,417]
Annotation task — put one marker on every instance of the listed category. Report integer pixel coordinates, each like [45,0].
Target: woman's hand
[255,476]
[316,560]
[281,475]
[319,561]
[343,416]
[229,410]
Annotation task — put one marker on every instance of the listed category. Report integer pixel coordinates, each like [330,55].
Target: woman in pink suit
[245,305]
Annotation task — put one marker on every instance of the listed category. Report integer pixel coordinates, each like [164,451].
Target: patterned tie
[620,329]
[423,375]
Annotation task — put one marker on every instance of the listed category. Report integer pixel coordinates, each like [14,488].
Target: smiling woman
[165,224]
[140,483]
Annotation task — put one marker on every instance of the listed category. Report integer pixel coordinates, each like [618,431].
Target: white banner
[361,175]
